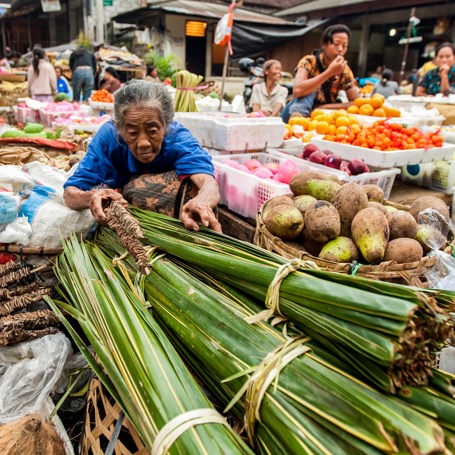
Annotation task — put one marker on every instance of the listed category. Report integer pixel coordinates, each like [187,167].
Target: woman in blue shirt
[143,140]
[442,78]
[63,85]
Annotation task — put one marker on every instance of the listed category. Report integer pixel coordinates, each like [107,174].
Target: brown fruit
[403,250]
[285,222]
[374,192]
[370,232]
[322,222]
[401,224]
[425,202]
[348,200]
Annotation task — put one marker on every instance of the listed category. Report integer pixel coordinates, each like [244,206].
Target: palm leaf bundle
[300,405]
[134,359]
[394,329]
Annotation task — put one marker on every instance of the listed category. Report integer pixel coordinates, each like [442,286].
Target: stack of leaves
[292,400]
[134,359]
[185,83]
[390,332]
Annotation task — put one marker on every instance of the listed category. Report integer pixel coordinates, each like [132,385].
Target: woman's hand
[199,210]
[99,199]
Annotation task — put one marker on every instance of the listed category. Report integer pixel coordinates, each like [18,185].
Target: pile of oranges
[373,106]
[338,122]
[386,136]
[321,122]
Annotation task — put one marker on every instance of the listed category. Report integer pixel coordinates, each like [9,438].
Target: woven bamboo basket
[102,414]
[411,273]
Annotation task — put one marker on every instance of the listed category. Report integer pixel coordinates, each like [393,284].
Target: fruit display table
[243,228]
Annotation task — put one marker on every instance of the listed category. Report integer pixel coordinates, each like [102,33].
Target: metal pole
[223,78]
[99,21]
[406,46]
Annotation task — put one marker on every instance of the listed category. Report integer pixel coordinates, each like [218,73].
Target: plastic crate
[439,175]
[233,132]
[393,158]
[244,193]
[384,178]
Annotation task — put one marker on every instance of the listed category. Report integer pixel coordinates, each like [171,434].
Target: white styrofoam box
[393,158]
[384,178]
[100,105]
[438,175]
[233,132]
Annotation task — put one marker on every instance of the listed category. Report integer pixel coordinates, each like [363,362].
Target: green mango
[13,133]
[31,128]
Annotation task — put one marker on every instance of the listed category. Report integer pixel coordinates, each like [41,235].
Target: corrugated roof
[195,8]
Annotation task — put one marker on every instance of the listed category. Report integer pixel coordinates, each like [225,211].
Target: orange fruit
[311,125]
[379,112]
[339,113]
[355,128]
[342,121]
[377,100]
[353,109]
[316,112]
[352,119]
[366,109]
[302,121]
[323,118]
[360,102]
[322,127]
[392,112]
[332,129]
[342,130]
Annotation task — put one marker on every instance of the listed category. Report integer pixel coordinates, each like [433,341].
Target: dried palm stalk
[129,232]
[22,301]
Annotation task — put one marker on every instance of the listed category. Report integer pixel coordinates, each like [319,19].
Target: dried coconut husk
[30,435]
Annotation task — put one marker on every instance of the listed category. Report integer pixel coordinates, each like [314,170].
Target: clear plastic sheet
[29,372]
[437,233]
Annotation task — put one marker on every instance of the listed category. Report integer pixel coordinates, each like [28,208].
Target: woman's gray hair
[144,93]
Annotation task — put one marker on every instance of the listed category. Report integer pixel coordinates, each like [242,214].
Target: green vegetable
[184,98]
[33,128]
[13,133]
[134,359]
[60,97]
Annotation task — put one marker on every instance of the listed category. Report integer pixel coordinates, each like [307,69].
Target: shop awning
[252,31]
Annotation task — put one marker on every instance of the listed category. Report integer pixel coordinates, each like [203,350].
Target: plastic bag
[28,373]
[18,231]
[435,236]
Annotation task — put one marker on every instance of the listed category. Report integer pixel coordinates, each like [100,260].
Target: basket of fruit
[349,228]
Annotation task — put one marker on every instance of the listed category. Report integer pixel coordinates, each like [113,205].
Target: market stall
[380,356]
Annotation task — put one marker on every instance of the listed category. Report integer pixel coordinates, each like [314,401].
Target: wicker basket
[102,413]
[411,273]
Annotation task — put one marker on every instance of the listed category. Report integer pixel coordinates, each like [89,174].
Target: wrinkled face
[274,72]
[143,130]
[445,56]
[338,46]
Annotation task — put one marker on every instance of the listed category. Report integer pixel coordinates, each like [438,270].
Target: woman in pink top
[41,78]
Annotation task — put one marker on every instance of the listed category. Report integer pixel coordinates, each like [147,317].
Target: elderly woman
[440,79]
[269,97]
[144,140]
